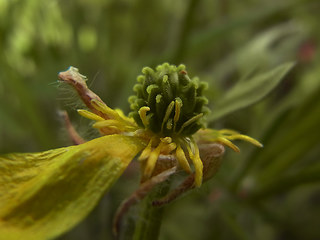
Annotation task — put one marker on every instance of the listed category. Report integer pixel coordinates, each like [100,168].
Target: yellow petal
[182,160]
[45,194]
[124,117]
[197,163]
[90,115]
[245,138]
[151,162]
[146,152]
[227,131]
[228,143]
[102,107]
[143,115]
[168,148]
[116,124]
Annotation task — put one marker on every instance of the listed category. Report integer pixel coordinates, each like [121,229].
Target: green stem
[150,218]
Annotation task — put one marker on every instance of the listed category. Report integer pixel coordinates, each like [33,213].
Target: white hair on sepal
[70,100]
[68,97]
[82,127]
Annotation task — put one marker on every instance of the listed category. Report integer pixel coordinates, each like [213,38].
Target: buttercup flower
[44,194]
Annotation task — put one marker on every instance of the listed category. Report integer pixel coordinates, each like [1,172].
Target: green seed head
[175,102]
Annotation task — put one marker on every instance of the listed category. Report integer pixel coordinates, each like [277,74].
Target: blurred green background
[269,193]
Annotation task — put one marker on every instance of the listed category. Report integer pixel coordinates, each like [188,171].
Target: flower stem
[150,217]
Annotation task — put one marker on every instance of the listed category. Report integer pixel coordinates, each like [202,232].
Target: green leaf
[45,194]
[286,182]
[247,92]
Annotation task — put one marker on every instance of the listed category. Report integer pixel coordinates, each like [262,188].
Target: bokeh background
[269,193]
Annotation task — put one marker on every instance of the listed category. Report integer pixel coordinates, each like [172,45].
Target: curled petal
[143,115]
[146,152]
[225,136]
[228,131]
[228,143]
[151,162]
[245,138]
[182,160]
[195,157]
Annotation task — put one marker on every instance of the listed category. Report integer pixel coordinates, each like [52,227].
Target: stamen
[198,165]
[169,124]
[182,160]
[143,116]
[191,120]
[89,115]
[178,105]
[167,115]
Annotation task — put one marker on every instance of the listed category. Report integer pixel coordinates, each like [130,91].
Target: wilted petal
[45,194]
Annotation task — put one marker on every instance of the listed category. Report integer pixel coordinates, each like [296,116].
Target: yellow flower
[44,194]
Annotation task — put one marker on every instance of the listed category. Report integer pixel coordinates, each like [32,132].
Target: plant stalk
[150,217]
